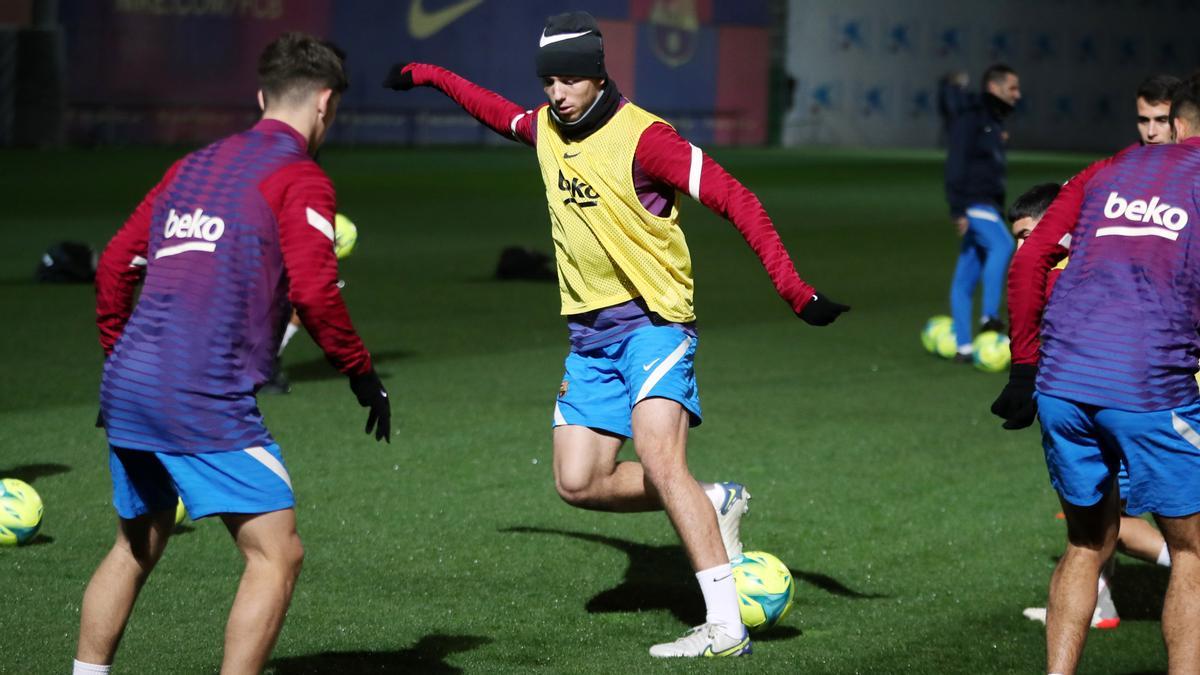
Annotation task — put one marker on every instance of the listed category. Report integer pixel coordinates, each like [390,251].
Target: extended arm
[303,200]
[666,157]
[495,112]
[122,266]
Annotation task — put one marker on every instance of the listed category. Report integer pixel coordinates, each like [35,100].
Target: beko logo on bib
[1162,219]
[199,231]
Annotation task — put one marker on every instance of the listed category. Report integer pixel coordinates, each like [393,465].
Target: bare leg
[587,474]
[660,428]
[1091,539]
[273,554]
[1181,609]
[1139,539]
[110,595]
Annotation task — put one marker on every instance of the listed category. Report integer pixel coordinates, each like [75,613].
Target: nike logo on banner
[648,366]
[423,23]
[560,37]
[569,155]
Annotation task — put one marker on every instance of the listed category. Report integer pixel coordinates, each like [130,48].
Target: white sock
[966,350]
[720,598]
[287,336]
[1164,556]
[715,494]
[1102,584]
[82,668]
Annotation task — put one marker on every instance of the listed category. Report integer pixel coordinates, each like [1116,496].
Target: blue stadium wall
[182,71]
[866,70]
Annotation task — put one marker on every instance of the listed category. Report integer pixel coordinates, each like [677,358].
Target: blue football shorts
[601,386]
[253,480]
[1085,446]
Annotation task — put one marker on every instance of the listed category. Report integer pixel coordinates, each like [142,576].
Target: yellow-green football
[992,354]
[935,331]
[180,513]
[345,236]
[20,512]
[765,589]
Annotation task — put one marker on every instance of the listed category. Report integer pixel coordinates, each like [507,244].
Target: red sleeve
[496,112]
[122,266]
[1029,276]
[666,157]
[302,199]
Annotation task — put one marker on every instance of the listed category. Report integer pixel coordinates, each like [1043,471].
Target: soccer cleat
[992,324]
[278,382]
[734,505]
[708,640]
[964,358]
[1099,621]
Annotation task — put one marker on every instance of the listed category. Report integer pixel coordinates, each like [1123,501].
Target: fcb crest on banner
[675,27]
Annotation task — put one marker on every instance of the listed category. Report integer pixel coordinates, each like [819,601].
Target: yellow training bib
[609,249]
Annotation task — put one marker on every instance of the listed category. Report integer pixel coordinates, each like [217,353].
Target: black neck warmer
[602,110]
[997,107]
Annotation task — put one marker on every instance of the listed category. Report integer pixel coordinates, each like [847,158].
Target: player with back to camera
[612,173]
[1113,379]
[1136,537]
[231,235]
[975,174]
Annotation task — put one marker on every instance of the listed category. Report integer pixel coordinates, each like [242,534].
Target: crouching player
[612,174]
[1114,376]
[227,238]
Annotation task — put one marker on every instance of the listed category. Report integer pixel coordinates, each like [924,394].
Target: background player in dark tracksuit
[1115,376]
[231,235]
[976,168]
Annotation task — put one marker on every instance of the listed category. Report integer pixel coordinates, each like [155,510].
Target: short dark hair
[997,72]
[1185,102]
[1034,202]
[1158,88]
[296,64]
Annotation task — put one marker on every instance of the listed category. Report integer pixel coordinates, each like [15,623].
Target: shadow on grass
[319,369]
[39,539]
[31,472]
[654,581]
[426,656]
[1138,591]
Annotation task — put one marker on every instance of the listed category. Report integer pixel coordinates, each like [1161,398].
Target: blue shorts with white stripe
[601,386]
[253,480]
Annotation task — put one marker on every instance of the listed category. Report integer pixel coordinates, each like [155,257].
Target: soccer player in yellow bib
[612,173]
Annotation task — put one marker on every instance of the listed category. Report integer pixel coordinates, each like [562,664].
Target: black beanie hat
[571,44]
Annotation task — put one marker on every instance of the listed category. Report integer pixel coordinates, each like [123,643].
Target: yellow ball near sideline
[345,236]
[20,512]
[992,353]
[938,335]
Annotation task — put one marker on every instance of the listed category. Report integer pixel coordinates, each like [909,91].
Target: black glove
[821,311]
[398,78]
[1015,403]
[371,394]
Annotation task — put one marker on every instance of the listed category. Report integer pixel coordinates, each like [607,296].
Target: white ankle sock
[715,493]
[82,668]
[288,333]
[1164,556]
[720,598]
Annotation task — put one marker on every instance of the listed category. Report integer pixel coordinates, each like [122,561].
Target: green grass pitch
[917,528]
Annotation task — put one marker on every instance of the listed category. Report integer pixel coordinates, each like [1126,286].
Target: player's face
[571,96]
[1022,228]
[1153,119]
[1007,90]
